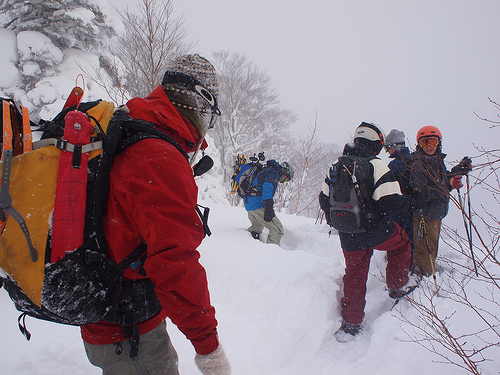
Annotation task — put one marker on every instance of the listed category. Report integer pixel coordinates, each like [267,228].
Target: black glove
[269,211]
[324,203]
[464,167]
[328,218]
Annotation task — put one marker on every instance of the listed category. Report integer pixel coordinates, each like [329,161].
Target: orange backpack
[31,181]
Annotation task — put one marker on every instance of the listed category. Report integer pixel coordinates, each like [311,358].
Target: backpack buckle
[92,256]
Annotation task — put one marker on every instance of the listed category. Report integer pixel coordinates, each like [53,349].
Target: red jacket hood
[158,109]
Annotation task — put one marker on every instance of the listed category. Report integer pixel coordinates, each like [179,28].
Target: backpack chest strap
[64,145]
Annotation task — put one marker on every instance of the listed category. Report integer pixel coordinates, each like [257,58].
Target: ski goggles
[192,84]
[287,172]
[284,178]
[393,145]
[428,142]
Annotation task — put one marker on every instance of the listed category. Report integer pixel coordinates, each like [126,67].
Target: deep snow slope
[277,307]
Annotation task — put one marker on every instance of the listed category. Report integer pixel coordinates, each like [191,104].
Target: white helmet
[371,135]
[370,131]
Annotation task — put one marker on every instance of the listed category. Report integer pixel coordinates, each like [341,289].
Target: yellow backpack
[30,180]
[31,187]
[53,257]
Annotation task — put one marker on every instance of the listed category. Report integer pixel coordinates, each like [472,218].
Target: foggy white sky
[397,63]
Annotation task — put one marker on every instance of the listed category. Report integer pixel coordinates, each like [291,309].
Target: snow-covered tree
[49,43]
[252,120]
[82,24]
[310,160]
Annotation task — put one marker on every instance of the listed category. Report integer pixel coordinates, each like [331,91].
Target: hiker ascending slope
[432,184]
[381,196]
[152,199]
[259,199]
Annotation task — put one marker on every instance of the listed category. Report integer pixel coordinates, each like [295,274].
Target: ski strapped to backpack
[239,163]
[16,139]
[49,275]
[350,180]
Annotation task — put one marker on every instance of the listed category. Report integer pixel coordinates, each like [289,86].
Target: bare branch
[153,38]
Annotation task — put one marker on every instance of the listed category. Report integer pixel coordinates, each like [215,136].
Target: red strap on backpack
[71,189]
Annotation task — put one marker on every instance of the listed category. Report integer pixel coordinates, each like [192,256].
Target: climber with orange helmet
[431,183]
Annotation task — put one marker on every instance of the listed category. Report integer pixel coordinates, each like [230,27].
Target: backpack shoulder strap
[136,130]
[122,132]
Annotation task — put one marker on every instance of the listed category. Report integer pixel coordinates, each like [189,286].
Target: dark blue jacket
[400,164]
[400,168]
[267,180]
[401,161]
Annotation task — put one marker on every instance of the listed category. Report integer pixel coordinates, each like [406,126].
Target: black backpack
[352,209]
[245,188]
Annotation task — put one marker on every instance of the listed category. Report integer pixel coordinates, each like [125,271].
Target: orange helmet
[429,131]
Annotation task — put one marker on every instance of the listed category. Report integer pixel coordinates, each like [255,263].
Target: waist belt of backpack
[204,219]
[136,303]
[5,198]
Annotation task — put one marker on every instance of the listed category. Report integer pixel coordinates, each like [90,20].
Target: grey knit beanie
[190,83]
[395,139]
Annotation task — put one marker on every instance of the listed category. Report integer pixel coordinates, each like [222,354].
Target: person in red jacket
[152,199]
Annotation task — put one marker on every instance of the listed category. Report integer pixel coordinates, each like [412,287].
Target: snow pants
[357,264]
[424,256]
[156,356]
[275,227]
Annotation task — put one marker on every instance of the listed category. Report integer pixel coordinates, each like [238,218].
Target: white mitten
[215,363]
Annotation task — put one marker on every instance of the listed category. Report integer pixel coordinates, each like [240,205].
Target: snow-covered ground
[277,308]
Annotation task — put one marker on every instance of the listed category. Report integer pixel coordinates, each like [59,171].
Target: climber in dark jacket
[260,209]
[432,184]
[383,234]
[400,164]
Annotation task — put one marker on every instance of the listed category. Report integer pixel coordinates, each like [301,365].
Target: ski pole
[424,228]
[470,224]
[468,229]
